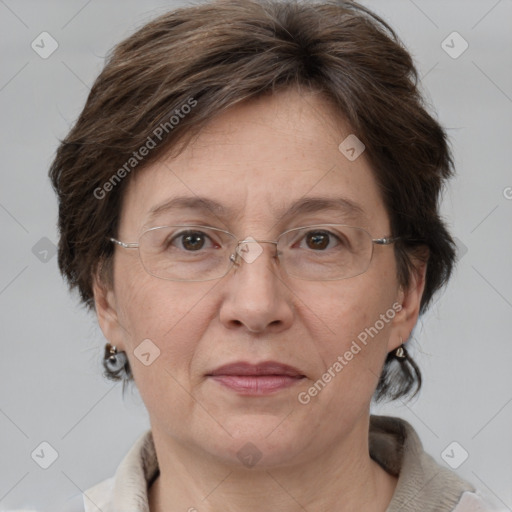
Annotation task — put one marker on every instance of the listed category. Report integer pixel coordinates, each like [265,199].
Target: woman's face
[256,161]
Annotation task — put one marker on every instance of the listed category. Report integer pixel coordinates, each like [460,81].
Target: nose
[255,298]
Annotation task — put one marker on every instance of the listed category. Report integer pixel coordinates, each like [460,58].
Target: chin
[257,441]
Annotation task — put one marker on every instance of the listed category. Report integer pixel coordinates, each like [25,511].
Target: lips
[256,379]
[256,370]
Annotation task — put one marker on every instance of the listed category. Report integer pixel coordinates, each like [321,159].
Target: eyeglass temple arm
[124,244]
[386,240]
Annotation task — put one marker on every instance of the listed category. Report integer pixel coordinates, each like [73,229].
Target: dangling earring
[400,353]
[115,363]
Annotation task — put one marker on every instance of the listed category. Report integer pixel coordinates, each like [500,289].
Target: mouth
[256,379]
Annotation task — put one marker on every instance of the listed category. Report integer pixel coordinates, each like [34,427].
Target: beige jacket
[423,485]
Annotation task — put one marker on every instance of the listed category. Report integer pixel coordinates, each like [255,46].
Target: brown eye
[318,240]
[193,241]
[189,241]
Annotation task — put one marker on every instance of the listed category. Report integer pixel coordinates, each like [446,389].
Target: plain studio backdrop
[52,390]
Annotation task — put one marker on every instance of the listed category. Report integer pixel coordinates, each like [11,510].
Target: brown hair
[214,55]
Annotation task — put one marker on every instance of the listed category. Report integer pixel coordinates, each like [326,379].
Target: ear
[409,300]
[106,311]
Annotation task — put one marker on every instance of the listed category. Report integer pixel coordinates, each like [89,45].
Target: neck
[343,478]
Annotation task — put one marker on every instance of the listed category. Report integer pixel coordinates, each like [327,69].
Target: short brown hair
[226,51]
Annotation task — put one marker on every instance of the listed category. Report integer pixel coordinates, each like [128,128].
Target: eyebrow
[346,207]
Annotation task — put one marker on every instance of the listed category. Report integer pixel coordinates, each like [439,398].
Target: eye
[190,240]
[320,240]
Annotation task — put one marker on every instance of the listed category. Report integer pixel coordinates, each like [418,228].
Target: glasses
[324,252]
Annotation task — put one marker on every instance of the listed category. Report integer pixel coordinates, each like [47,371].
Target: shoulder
[97,497]
[475,502]
[127,489]
[423,484]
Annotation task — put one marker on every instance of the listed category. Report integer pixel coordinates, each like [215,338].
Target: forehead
[264,159]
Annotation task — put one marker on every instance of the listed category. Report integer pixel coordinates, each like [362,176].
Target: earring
[114,362]
[400,353]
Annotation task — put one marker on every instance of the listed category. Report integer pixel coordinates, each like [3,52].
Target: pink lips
[259,379]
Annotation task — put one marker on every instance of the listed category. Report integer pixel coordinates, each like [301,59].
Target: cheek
[339,311]
[173,316]
[150,307]
[350,329]
[165,320]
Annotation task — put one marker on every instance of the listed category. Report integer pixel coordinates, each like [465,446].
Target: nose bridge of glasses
[249,249]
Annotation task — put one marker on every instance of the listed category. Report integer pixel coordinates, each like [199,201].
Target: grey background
[51,384]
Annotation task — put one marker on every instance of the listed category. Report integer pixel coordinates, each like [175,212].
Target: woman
[248,201]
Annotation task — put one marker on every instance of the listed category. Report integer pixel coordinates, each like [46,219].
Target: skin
[258,158]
